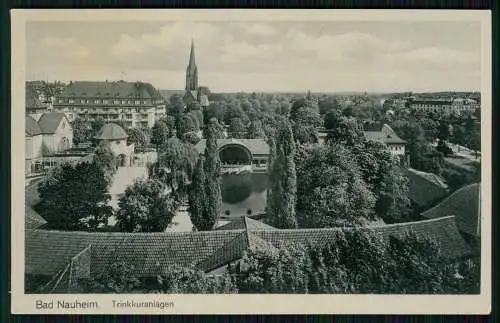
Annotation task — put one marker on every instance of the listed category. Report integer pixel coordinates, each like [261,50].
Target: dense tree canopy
[146,207]
[75,197]
[331,190]
[81,131]
[175,165]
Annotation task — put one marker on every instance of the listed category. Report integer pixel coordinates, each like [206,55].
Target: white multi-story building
[135,104]
[456,106]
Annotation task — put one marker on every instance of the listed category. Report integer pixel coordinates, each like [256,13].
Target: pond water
[240,193]
[243,194]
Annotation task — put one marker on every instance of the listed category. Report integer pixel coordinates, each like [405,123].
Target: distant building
[448,106]
[235,153]
[383,133]
[193,92]
[50,135]
[137,104]
[116,138]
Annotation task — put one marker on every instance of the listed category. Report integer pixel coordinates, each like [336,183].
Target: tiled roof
[464,205]
[245,222]
[31,127]
[49,122]
[382,133]
[425,188]
[114,89]
[48,252]
[256,146]
[32,220]
[111,131]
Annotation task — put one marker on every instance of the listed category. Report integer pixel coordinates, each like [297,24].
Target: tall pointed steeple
[192,62]
[191,71]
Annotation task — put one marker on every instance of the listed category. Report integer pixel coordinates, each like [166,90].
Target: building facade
[46,140]
[136,104]
[383,133]
[448,106]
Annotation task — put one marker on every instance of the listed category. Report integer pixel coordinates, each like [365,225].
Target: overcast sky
[262,56]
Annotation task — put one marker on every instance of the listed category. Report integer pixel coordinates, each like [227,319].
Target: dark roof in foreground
[31,127]
[49,122]
[464,204]
[32,220]
[425,188]
[256,146]
[49,252]
[111,131]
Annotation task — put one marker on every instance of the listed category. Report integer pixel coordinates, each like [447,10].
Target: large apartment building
[135,104]
[455,105]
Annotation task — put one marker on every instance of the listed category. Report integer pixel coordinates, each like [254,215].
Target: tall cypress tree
[197,198]
[283,180]
[212,180]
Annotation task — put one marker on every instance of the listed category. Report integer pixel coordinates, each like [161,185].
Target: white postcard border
[239,303]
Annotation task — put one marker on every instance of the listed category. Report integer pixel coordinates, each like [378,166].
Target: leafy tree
[187,280]
[146,207]
[459,136]
[255,130]
[105,160]
[237,128]
[212,179]
[443,130]
[215,110]
[117,277]
[175,166]
[75,197]
[96,125]
[443,148]
[216,127]
[345,132]
[307,120]
[385,179]
[283,179]
[81,131]
[187,124]
[160,133]
[330,189]
[327,105]
[138,137]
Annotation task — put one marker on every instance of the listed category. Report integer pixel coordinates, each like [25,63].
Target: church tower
[192,72]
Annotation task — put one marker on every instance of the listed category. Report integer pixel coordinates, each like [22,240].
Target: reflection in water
[243,194]
[249,199]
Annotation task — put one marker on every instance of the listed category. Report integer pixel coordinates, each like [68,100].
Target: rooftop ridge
[222,232]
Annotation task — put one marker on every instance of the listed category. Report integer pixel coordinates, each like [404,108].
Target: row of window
[104,110]
[105,101]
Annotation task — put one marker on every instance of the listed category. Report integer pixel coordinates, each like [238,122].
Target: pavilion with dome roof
[116,138]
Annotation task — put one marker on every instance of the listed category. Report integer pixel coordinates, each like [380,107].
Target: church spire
[192,71]
[192,63]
